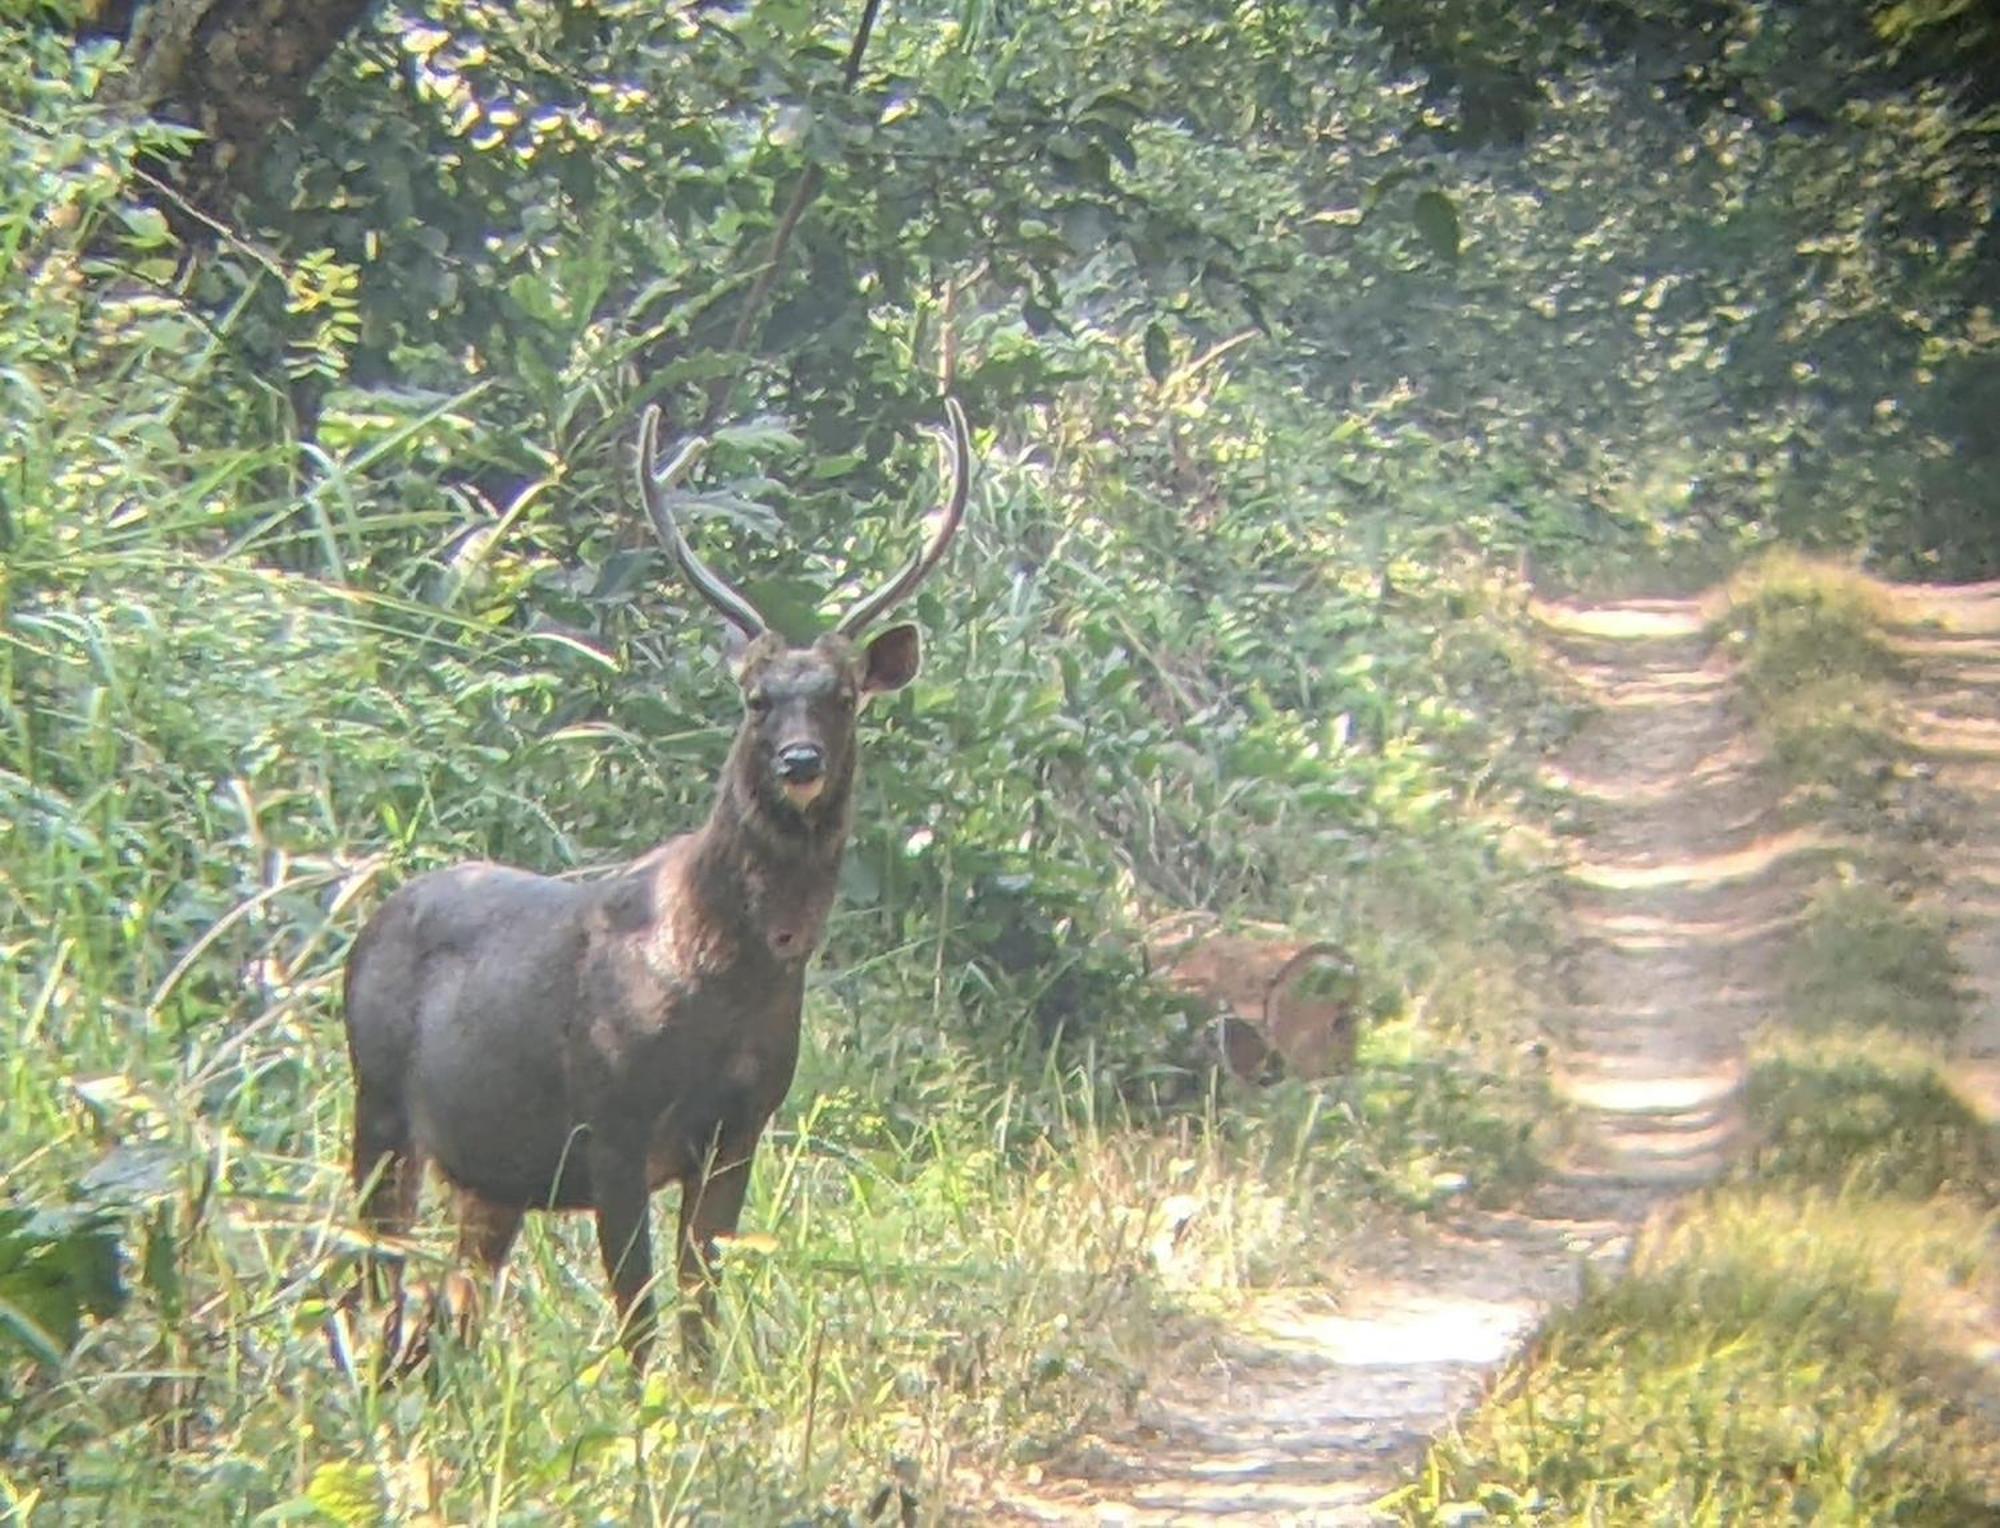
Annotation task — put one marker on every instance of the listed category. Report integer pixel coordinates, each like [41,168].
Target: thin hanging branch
[851,75]
[788,222]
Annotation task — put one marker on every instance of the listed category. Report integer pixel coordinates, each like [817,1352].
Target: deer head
[794,755]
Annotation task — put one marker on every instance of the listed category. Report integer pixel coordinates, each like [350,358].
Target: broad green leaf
[765,433]
[56,1266]
[146,227]
[348,1493]
[1436,219]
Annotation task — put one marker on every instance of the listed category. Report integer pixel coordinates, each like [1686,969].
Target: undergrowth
[1869,1112]
[1796,621]
[938,1270]
[906,1295]
[1818,678]
[254,675]
[1791,1345]
[1867,956]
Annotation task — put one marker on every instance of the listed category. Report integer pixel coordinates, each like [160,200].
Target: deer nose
[800,763]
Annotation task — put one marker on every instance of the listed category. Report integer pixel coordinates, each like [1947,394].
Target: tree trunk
[236,69]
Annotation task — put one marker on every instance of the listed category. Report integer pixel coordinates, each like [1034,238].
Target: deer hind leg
[389,1173]
[486,1230]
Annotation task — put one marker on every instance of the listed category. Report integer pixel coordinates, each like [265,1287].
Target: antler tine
[918,568]
[653,480]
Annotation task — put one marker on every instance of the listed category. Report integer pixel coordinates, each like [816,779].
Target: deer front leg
[625,1239]
[711,1204]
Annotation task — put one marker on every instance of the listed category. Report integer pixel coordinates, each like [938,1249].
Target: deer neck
[769,870]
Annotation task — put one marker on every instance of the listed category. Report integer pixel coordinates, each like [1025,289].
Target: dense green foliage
[1289,345]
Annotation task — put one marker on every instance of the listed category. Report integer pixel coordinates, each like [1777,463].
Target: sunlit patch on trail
[1939,735]
[1686,1094]
[1745,863]
[1641,932]
[1416,1329]
[1968,609]
[1639,620]
[1681,690]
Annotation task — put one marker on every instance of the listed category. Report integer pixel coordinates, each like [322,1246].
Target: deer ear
[892,660]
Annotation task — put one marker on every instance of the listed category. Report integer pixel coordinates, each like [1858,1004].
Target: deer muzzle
[801,769]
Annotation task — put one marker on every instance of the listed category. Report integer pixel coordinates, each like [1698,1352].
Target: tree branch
[788,222]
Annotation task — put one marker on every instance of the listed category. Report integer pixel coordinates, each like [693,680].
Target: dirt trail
[1309,1415]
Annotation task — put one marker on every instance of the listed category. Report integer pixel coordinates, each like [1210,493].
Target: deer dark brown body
[558,1045]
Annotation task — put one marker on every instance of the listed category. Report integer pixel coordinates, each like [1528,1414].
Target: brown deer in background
[1281,1004]
[556,1045]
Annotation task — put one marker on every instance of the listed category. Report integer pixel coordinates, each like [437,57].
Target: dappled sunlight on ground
[1747,862]
[1625,790]
[1645,931]
[1634,620]
[1968,609]
[1686,693]
[1680,898]
[1960,739]
[1680,1096]
[1981,669]
[1655,1129]
[1422,1329]
[1953,633]
[1305,1412]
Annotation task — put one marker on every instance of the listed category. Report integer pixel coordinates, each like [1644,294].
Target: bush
[1798,623]
[1869,1113]
[1865,957]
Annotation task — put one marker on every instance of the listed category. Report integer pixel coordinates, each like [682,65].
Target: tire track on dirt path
[1679,898]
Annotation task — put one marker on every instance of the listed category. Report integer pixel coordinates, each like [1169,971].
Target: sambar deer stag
[561,1045]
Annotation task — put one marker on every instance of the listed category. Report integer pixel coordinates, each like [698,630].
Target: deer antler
[654,481]
[918,568]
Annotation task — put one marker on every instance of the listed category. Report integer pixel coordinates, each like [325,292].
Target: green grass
[1838,740]
[212,769]
[1814,666]
[1797,1344]
[1865,957]
[934,1274]
[1772,1357]
[1869,1112]
[1795,621]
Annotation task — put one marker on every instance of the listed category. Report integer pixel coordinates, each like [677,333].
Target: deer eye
[759,704]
